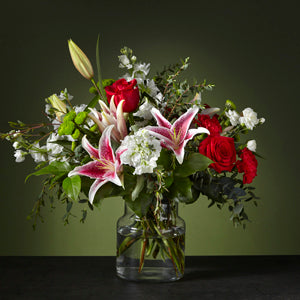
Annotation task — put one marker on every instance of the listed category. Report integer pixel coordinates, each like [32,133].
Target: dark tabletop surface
[221,277]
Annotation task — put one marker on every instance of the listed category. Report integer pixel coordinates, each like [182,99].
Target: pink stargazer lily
[105,165]
[176,136]
[110,116]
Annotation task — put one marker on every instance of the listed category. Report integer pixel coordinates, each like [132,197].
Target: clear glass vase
[151,248]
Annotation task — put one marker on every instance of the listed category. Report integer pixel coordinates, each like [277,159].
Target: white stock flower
[19,155]
[16,145]
[53,148]
[249,118]
[124,62]
[262,120]
[37,155]
[141,68]
[233,116]
[251,145]
[145,111]
[62,95]
[142,152]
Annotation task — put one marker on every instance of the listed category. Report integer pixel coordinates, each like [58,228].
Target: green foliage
[70,116]
[194,163]
[66,128]
[72,186]
[80,117]
[181,191]
[56,168]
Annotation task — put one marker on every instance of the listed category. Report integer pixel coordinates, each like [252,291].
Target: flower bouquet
[150,141]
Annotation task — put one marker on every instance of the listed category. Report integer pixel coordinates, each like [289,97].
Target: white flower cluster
[142,152]
[49,152]
[139,71]
[248,118]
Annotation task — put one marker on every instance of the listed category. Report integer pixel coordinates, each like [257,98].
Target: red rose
[221,150]
[212,124]
[123,90]
[247,165]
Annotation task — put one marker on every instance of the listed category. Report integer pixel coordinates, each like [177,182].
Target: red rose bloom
[212,124]
[221,150]
[123,90]
[247,165]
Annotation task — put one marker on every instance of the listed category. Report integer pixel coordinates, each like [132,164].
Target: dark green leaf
[92,103]
[181,190]
[194,163]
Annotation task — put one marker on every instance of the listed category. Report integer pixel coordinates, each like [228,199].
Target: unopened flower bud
[59,106]
[229,104]
[80,61]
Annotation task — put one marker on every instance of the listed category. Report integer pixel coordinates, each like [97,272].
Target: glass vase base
[149,274]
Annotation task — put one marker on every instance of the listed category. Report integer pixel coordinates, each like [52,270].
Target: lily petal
[105,149]
[93,152]
[160,132]
[121,123]
[95,187]
[104,107]
[92,169]
[192,132]
[181,125]
[112,105]
[160,119]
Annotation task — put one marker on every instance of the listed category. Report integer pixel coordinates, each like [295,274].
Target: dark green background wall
[249,49]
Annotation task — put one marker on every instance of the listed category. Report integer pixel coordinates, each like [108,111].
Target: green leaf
[195,162]
[140,205]
[56,168]
[72,186]
[103,93]
[140,182]
[181,190]
[92,103]
[165,159]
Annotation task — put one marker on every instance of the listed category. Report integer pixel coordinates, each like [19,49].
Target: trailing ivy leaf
[72,186]
[195,162]
[238,208]
[69,206]
[55,168]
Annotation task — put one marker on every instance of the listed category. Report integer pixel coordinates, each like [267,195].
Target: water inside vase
[150,257]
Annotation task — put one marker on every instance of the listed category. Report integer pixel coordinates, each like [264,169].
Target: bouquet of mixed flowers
[149,140]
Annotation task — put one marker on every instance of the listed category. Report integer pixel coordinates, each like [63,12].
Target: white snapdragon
[249,118]
[19,155]
[142,152]
[251,145]
[233,117]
